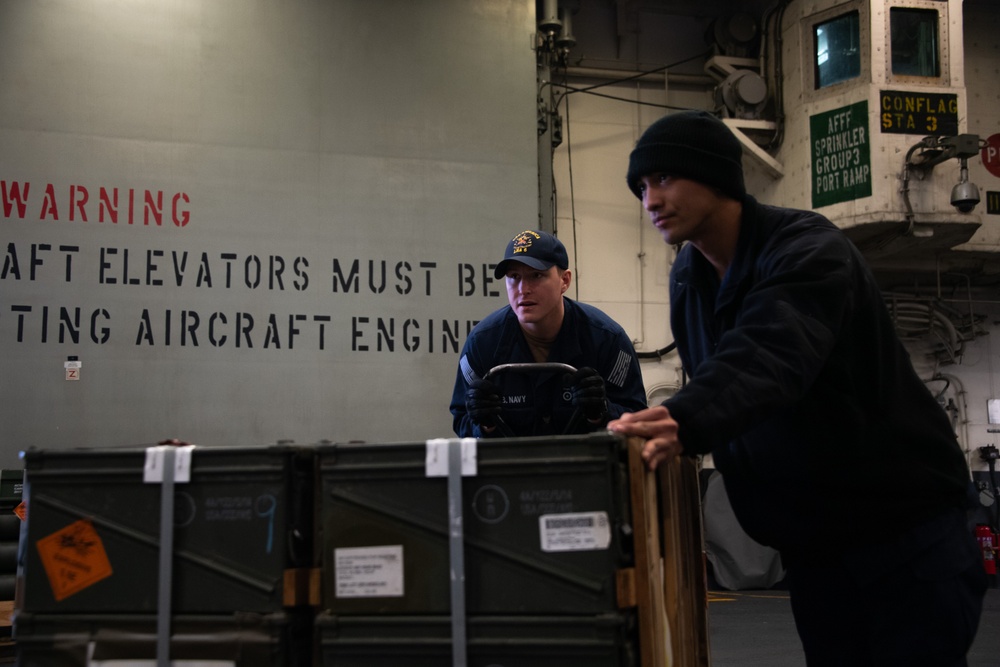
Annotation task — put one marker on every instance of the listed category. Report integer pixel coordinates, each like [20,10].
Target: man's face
[536,296]
[681,209]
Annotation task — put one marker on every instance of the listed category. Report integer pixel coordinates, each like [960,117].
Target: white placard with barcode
[581,531]
[369,572]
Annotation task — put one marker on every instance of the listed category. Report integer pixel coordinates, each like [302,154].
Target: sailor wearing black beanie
[689,144]
[797,381]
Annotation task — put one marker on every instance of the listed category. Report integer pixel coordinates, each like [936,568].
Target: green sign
[992,202]
[841,155]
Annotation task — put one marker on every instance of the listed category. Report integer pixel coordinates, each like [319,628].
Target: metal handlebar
[539,367]
[529,368]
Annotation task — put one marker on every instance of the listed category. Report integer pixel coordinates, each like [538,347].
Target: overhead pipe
[611,74]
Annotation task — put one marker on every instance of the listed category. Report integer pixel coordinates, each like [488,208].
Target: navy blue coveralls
[538,403]
[833,450]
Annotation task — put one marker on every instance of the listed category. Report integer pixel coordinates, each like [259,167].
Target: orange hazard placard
[74,558]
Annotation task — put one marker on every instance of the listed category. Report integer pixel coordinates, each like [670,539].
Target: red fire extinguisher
[988,545]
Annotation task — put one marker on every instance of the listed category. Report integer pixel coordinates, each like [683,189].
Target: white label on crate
[369,572]
[152,472]
[580,531]
[437,456]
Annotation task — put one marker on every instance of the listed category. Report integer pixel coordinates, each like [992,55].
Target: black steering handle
[539,367]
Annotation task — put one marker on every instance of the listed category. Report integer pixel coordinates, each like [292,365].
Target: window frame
[808,32]
[943,26]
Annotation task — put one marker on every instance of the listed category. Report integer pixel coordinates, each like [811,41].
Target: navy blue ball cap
[539,250]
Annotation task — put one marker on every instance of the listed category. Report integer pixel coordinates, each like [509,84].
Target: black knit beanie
[689,144]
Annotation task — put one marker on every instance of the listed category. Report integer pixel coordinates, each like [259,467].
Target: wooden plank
[648,577]
[301,586]
[684,578]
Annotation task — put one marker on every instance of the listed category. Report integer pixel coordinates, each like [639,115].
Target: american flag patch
[620,371]
[469,374]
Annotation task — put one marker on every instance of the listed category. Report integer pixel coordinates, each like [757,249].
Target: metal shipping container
[80,640]
[546,526]
[91,543]
[493,641]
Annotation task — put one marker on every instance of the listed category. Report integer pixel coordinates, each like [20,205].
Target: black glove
[483,402]
[587,391]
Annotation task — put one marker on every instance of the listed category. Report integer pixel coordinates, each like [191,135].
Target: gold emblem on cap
[523,241]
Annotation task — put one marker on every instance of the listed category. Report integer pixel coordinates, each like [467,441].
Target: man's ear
[567,276]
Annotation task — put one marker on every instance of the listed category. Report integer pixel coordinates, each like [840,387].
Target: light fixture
[965,195]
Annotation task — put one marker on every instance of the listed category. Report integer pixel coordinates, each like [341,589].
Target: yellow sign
[74,558]
[919,113]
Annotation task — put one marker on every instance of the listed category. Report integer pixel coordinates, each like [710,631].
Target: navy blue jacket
[537,403]
[802,392]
